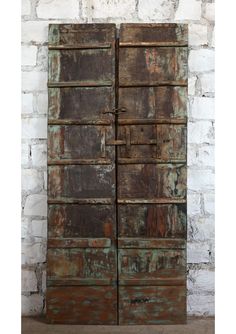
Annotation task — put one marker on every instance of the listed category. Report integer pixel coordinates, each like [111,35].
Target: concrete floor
[194,326]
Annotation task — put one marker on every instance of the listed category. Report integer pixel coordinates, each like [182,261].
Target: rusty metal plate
[87,305]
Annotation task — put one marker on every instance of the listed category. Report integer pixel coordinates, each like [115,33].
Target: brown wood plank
[82,34]
[152,104]
[152,305]
[153,34]
[94,263]
[81,181]
[150,66]
[81,221]
[79,243]
[151,243]
[79,281]
[79,142]
[88,305]
[152,221]
[149,181]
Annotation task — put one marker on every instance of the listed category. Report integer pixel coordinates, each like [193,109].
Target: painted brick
[61,9]
[192,85]
[209,203]
[200,132]
[188,10]
[32,305]
[197,34]
[206,156]
[42,58]
[194,204]
[24,154]
[42,103]
[27,103]
[34,31]
[33,253]
[200,180]
[213,38]
[210,12]
[201,305]
[28,55]
[34,80]
[197,252]
[36,205]
[110,8]
[31,180]
[25,7]
[155,9]
[203,228]
[25,227]
[202,108]
[201,280]
[201,60]
[39,228]
[39,155]
[208,83]
[33,128]
[28,281]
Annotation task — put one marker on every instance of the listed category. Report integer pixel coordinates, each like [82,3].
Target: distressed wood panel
[152,181]
[81,103]
[84,221]
[85,65]
[152,33]
[152,305]
[81,181]
[93,305]
[151,264]
[147,220]
[150,66]
[79,142]
[163,142]
[94,263]
[153,102]
[71,34]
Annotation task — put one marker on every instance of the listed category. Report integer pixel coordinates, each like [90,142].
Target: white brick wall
[199,14]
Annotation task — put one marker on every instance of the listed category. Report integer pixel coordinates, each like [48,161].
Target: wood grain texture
[152,305]
[86,305]
[150,66]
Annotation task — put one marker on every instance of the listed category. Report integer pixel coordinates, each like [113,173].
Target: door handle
[116,111]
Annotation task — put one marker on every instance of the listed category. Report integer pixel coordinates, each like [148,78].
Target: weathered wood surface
[83,221]
[152,66]
[81,181]
[81,263]
[164,142]
[85,104]
[87,305]
[81,258]
[152,181]
[171,34]
[79,142]
[154,221]
[152,305]
[153,102]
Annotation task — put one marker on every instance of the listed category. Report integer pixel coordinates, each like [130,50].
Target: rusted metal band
[151,201]
[163,243]
[80,84]
[79,162]
[81,201]
[79,243]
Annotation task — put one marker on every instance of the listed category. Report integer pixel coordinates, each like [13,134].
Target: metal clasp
[116,111]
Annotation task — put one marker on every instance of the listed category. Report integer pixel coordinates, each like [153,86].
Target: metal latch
[116,111]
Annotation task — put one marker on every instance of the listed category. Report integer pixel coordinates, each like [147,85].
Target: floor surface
[194,326]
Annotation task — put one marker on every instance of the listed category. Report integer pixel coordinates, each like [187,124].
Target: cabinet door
[81,257]
[151,182]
